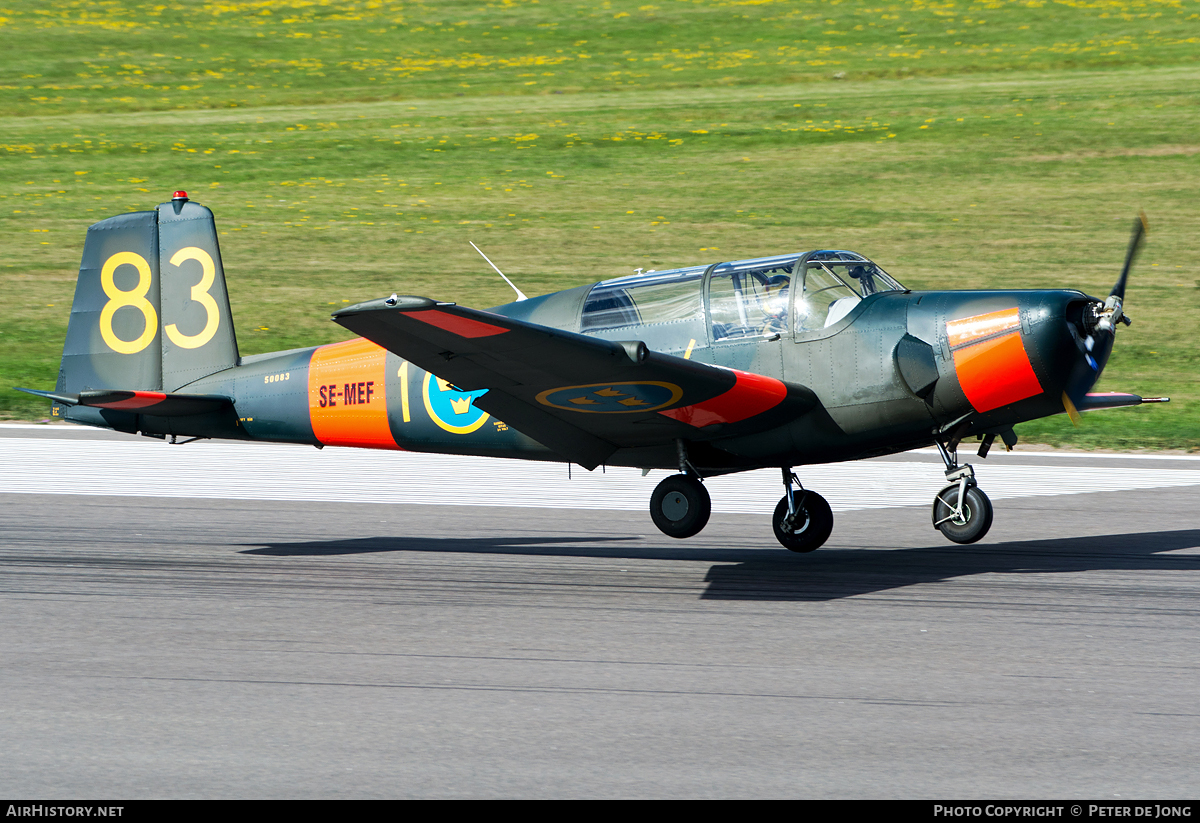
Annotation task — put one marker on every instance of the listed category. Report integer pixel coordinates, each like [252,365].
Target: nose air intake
[917,365]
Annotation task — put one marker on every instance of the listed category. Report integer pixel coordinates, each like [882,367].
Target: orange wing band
[347,400]
[996,372]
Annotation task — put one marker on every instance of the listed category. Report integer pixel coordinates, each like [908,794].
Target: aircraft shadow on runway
[837,574]
[772,574]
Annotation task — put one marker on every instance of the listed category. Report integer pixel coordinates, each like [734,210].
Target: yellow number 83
[136,298]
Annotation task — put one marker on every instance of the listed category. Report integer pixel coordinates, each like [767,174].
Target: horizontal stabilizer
[1094,401]
[582,397]
[160,404]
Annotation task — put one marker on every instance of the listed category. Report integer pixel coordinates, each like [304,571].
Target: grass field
[351,149]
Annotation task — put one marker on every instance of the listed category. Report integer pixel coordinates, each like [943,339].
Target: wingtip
[395,302]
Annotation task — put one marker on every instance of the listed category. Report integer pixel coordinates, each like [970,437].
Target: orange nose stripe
[996,372]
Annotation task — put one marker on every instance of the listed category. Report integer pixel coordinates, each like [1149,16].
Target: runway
[228,620]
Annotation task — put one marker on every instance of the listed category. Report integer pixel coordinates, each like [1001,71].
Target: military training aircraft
[774,362]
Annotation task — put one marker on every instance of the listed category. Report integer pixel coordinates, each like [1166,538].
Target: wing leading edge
[579,396]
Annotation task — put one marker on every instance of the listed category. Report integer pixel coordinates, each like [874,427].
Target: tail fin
[151,311]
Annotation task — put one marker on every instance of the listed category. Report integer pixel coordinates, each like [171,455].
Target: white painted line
[966,454]
[254,471]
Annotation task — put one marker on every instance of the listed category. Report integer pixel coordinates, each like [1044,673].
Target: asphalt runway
[200,646]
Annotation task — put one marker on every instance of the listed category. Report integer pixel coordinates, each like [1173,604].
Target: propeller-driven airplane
[773,362]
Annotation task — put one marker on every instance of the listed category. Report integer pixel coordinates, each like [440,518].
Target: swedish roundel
[613,398]
[451,409]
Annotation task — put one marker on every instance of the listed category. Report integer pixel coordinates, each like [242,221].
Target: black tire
[680,506]
[813,525]
[977,514]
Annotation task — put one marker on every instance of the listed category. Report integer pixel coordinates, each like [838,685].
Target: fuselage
[898,369]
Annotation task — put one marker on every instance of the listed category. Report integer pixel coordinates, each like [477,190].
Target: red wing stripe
[462,326]
[139,400]
[752,394]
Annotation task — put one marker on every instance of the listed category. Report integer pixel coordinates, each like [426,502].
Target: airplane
[706,370]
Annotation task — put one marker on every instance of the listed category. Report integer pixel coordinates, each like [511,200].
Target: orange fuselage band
[347,400]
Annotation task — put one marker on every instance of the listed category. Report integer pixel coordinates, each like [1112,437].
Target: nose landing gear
[961,511]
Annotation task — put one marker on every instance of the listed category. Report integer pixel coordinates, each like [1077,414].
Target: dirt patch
[1156,151]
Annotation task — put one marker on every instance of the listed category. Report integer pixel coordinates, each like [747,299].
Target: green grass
[958,144]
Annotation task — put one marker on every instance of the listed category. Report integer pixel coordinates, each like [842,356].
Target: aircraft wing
[579,396]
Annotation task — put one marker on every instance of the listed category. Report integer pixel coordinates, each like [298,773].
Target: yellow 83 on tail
[134,298]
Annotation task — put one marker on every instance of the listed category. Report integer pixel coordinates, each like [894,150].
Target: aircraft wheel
[680,506]
[976,516]
[810,528]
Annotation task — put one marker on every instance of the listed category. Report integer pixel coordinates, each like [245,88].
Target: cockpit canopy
[745,298]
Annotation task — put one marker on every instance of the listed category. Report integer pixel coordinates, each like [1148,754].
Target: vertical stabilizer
[151,312]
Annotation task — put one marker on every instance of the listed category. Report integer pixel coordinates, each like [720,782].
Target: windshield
[833,284]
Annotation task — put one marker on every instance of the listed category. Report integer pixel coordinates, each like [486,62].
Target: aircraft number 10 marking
[136,298]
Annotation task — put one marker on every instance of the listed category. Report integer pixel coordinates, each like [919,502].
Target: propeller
[1112,314]
[1101,330]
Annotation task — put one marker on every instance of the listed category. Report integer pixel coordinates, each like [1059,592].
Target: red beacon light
[177,201]
[179,195]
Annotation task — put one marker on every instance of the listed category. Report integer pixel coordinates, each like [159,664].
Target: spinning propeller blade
[1099,332]
[1140,229]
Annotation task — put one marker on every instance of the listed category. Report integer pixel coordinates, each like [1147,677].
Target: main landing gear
[680,507]
[802,520]
[961,511]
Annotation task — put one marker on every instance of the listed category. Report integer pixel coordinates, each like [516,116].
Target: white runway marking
[271,472]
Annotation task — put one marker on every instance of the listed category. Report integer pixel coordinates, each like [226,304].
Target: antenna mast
[520,295]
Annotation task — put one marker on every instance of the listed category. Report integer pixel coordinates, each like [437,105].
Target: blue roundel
[613,398]
[451,409]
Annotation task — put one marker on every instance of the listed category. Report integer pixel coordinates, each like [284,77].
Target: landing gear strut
[961,511]
[803,520]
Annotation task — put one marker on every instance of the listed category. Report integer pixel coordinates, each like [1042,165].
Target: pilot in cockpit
[865,275]
[775,304]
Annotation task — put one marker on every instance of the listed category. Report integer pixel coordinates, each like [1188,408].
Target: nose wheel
[965,521]
[961,511]
[680,506]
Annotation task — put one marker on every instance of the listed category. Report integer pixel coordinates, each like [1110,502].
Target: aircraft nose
[1014,354]
[1091,349]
